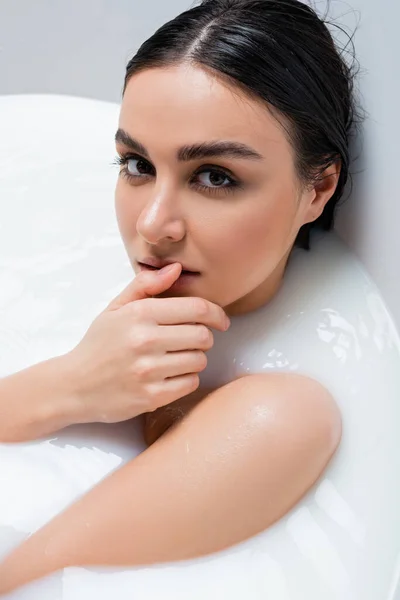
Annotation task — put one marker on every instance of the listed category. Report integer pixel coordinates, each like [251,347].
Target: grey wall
[76,47]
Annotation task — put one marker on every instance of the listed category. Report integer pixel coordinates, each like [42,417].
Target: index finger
[183,310]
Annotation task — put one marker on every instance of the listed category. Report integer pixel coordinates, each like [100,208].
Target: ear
[321,192]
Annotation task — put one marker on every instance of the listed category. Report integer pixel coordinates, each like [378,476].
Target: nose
[161,219]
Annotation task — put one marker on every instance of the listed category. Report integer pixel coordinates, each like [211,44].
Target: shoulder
[292,427]
[273,433]
[282,430]
[300,408]
[290,388]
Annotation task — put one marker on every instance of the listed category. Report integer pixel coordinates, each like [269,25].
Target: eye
[214,178]
[210,179]
[134,168]
[213,181]
[138,166]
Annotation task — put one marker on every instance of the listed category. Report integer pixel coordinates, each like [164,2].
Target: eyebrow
[195,151]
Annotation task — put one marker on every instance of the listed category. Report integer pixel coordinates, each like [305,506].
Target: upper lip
[159,263]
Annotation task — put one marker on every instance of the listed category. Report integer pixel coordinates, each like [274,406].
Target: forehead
[185,104]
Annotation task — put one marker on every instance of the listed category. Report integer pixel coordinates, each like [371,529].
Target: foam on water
[61,262]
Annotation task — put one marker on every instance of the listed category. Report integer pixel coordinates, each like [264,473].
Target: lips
[157,263]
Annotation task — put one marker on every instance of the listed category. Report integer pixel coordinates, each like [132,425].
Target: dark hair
[282,52]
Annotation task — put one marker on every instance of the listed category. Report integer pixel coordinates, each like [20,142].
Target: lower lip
[184,280]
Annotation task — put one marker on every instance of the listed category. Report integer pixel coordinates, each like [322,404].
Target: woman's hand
[139,354]
[142,352]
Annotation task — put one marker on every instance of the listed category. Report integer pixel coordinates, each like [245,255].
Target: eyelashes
[146,171]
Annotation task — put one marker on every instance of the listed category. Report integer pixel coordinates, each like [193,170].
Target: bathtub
[62,261]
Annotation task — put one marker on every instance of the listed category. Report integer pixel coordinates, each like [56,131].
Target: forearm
[37,400]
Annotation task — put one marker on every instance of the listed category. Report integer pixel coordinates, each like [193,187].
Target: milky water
[61,262]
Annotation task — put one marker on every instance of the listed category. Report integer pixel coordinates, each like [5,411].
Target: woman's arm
[236,463]
[125,355]
[37,400]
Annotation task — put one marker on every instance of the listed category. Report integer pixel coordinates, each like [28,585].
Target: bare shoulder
[291,390]
[275,433]
[291,415]
[302,408]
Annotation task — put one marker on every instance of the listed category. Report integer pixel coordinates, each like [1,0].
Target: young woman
[233,143]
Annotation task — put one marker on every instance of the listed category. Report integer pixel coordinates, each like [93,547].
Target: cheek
[263,231]
[127,212]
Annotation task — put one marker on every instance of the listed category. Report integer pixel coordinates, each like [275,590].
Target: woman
[233,143]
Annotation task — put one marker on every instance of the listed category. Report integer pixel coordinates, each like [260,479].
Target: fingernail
[166,269]
[227,322]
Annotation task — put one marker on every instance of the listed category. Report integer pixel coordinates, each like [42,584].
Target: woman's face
[207,180]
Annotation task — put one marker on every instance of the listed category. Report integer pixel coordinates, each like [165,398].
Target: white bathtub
[61,262]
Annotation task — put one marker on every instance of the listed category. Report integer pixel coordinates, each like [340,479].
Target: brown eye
[139,166]
[214,179]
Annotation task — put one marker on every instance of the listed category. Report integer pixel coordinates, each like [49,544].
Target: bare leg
[236,463]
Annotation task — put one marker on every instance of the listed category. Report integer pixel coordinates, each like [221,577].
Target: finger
[175,338]
[147,284]
[174,364]
[167,391]
[175,311]
[170,364]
